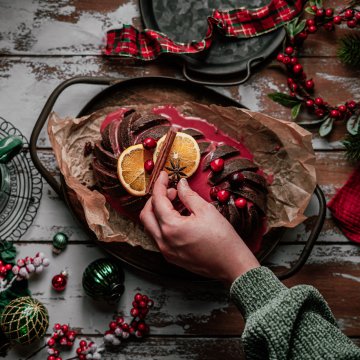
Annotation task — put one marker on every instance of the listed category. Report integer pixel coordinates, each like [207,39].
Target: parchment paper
[291,168]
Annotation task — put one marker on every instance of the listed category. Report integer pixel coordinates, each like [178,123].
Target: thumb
[191,199]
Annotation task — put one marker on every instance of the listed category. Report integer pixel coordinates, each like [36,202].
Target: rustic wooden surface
[43,43]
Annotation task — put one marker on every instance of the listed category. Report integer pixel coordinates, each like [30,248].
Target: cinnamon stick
[161,159]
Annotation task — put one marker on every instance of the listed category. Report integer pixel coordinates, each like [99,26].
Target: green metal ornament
[24,320]
[60,241]
[103,279]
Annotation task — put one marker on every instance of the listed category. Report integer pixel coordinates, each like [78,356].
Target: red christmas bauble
[59,282]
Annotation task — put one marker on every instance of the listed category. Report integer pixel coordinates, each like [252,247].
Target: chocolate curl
[161,160]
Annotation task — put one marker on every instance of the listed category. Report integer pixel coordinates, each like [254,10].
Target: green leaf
[309,10]
[7,251]
[295,111]
[353,124]
[319,4]
[284,99]
[312,122]
[312,2]
[299,27]
[326,127]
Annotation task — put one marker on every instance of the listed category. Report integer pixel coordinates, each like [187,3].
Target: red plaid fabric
[345,207]
[240,23]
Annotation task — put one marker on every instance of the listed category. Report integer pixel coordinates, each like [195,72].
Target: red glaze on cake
[226,176]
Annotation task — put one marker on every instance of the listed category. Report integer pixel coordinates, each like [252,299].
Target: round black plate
[185,21]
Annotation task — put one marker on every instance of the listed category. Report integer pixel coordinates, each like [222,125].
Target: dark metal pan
[229,61]
[142,90]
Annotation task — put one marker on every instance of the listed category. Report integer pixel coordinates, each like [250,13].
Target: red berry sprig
[300,87]
[62,336]
[4,269]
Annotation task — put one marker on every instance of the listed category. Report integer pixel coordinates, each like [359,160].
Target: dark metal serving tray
[149,90]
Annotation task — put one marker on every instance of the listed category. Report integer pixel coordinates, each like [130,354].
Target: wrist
[240,267]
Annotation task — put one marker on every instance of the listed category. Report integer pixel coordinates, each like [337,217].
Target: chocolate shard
[257,197]
[193,132]
[255,179]
[103,174]
[231,166]
[204,147]
[105,135]
[114,190]
[222,151]
[105,156]
[155,132]
[124,134]
[114,138]
[147,121]
[234,216]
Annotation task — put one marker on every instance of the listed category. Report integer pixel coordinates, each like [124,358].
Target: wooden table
[43,43]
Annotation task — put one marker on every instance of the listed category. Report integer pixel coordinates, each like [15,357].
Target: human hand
[204,242]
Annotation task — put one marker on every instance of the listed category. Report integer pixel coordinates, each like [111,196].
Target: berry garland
[301,88]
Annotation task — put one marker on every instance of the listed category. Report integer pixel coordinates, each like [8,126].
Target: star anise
[176,171]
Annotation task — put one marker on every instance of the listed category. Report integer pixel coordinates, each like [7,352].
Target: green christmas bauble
[103,280]
[24,320]
[60,241]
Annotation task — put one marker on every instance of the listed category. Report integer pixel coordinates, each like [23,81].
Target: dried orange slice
[130,169]
[184,156]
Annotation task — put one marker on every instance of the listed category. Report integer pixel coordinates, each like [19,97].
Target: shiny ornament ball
[59,282]
[24,320]
[103,279]
[60,241]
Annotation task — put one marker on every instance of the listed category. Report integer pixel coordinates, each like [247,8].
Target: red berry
[319,113]
[82,357]
[135,304]
[51,357]
[240,203]
[309,84]
[149,165]
[290,81]
[280,57]
[357,16]
[217,165]
[131,330]
[320,13]
[145,298]
[314,7]
[134,324]
[335,113]
[58,358]
[120,319]
[302,36]
[294,60]
[82,343]
[149,143]
[297,69]
[286,60]
[134,312]
[337,20]
[319,101]
[329,26]
[351,104]
[125,327]
[223,196]
[138,297]
[65,328]
[3,270]
[329,12]
[292,94]
[142,304]
[236,178]
[71,335]
[312,29]
[112,325]
[310,22]
[51,342]
[142,326]
[342,108]
[349,13]
[289,50]
[8,267]
[79,351]
[294,88]
[63,341]
[351,24]
[213,192]
[309,103]
[138,334]
[56,352]
[57,327]
[144,311]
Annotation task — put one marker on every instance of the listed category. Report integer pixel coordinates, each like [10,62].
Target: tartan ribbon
[239,23]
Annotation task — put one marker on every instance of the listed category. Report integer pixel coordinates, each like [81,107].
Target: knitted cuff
[254,289]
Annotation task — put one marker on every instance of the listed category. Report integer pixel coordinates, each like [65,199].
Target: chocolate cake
[227,176]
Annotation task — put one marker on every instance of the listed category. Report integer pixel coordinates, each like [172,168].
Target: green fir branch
[349,50]
[352,145]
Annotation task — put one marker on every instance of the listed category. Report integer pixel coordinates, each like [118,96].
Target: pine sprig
[349,50]
[352,145]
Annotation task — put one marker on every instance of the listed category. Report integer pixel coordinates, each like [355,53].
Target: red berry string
[300,87]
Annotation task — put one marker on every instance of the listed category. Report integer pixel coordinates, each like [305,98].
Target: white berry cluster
[90,351]
[24,267]
[114,338]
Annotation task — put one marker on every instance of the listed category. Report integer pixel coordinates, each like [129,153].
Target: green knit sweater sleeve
[283,323]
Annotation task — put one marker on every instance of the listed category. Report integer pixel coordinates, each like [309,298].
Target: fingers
[149,221]
[162,206]
[193,202]
[171,193]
